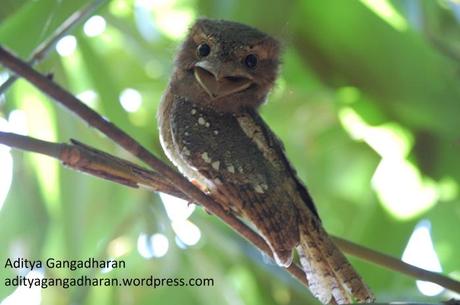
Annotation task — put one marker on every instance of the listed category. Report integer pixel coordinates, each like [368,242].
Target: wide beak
[220,80]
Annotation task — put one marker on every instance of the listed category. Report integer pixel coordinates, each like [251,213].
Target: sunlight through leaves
[156,245]
[420,252]
[66,46]
[94,26]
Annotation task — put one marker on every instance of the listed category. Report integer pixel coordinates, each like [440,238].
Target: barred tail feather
[330,276]
[316,273]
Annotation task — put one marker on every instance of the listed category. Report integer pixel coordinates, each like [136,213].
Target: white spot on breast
[193,111]
[231,169]
[216,165]
[185,151]
[201,121]
[258,189]
[205,157]
[216,132]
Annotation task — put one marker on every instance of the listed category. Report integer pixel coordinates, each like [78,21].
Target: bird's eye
[203,50]
[250,61]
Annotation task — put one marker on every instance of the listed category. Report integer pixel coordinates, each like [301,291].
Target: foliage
[366,105]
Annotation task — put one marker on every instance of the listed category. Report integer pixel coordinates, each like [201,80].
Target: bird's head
[233,65]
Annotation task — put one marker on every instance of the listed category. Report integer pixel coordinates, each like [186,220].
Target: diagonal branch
[42,50]
[87,159]
[395,264]
[84,158]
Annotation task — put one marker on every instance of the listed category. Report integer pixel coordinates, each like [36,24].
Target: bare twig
[42,50]
[95,162]
[30,144]
[84,158]
[396,264]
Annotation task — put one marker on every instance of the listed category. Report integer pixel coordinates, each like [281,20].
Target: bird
[211,130]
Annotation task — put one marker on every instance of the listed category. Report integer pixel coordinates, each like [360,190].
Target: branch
[114,133]
[396,264]
[84,158]
[42,50]
[87,159]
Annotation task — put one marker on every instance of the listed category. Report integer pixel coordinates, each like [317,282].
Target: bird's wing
[277,146]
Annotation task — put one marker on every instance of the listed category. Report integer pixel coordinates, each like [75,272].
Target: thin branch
[87,159]
[98,163]
[30,144]
[396,264]
[42,50]
[66,99]
[95,162]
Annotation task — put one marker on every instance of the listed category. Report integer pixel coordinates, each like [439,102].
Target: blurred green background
[367,104]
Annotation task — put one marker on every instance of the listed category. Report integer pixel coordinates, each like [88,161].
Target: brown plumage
[211,131]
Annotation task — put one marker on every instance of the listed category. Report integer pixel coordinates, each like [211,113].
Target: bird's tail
[330,276]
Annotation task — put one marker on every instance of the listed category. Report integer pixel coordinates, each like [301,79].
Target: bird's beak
[219,80]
